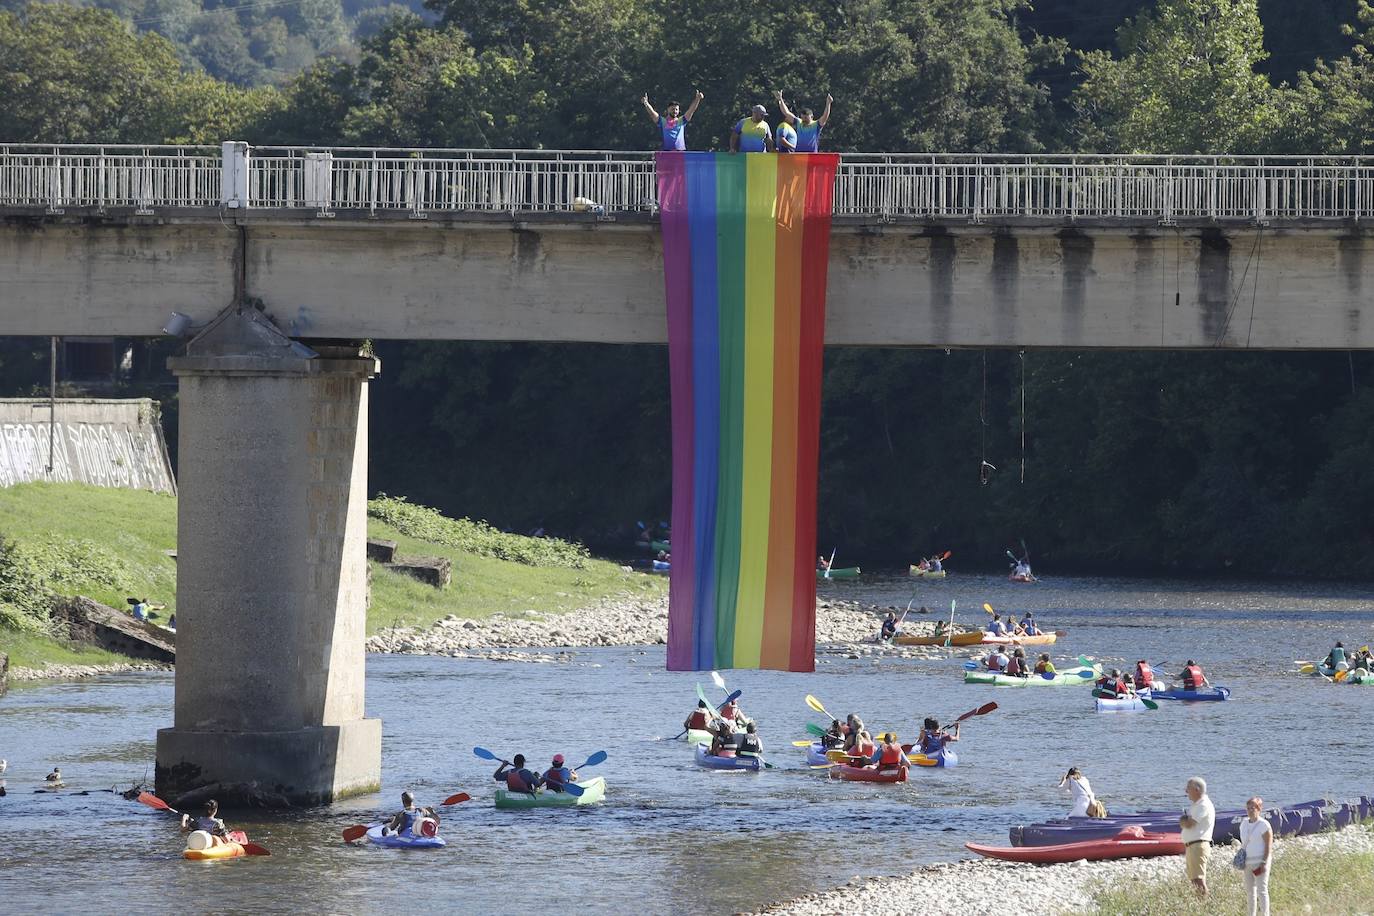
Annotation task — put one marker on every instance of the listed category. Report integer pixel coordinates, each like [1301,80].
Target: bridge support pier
[271,571]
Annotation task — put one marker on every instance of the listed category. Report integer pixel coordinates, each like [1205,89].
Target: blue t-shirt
[140,611]
[787,138]
[753,135]
[809,137]
[674,132]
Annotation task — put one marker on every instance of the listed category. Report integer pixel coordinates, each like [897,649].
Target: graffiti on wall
[104,454]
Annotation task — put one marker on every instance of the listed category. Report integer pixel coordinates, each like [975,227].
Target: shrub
[478,538]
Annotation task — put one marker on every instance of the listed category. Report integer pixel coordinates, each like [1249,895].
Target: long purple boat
[1287,821]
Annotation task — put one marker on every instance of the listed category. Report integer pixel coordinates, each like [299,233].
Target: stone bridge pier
[271,585]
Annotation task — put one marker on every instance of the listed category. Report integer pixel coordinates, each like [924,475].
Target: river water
[672,838]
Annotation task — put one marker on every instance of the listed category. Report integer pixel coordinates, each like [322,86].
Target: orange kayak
[959,639]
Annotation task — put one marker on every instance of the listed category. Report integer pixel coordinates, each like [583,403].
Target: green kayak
[1069,677]
[848,572]
[594,790]
[698,736]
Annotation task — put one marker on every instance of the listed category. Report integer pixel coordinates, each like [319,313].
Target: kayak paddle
[720,681]
[949,634]
[816,705]
[813,729]
[802,743]
[253,849]
[358,831]
[1149,704]
[152,801]
[733,696]
[486,754]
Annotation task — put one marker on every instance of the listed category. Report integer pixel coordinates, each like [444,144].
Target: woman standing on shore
[1257,840]
[1081,790]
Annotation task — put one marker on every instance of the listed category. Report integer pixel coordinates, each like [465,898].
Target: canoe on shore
[1129,843]
[593,791]
[959,639]
[1069,677]
[845,572]
[1286,821]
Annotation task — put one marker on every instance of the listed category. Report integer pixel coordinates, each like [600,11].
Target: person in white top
[1077,785]
[1257,839]
[1196,824]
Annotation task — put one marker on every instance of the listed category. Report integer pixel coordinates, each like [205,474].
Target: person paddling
[932,738]
[723,744]
[515,776]
[996,627]
[1144,675]
[834,736]
[1113,685]
[732,713]
[210,822]
[1028,626]
[1043,665]
[749,744]
[996,660]
[1193,678]
[557,776]
[1016,665]
[407,820]
[698,719]
[1335,658]
[890,755]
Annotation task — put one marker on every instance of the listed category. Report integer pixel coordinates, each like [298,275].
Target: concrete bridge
[274,259]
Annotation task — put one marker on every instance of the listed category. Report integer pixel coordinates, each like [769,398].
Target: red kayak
[867,774]
[1131,843]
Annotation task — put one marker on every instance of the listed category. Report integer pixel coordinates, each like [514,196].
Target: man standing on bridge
[807,138]
[752,134]
[672,124]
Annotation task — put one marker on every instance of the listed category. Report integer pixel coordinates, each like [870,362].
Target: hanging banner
[746,245]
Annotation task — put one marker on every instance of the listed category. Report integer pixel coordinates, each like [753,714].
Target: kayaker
[1335,657]
[1080,790]
[822,564]
[1196,823]
[932,739]
[210,822]
[698,719]
[750,743]
[1028,626]
[1144,675]
[1193,678]
[731,713]
[409,816]
[854,726]
[1361,660]
[941,628]
[890,755]
[996,660]
[996,627]
[515,776]
[934,565]
[723,744]
[889,627]
[557,775]
[834,737]
[1016,665]
[1044,665]
[863,749]
[1112,683]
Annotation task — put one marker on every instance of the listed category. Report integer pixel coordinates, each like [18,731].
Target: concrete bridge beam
[271,584]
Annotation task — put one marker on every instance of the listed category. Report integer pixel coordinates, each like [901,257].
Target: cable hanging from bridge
[1022,355]
[985,470]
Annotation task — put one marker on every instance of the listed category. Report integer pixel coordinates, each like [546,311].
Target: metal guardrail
[883,187]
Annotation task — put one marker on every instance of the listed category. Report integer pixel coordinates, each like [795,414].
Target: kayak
[1360,678]
[698,736]
[1288,821]
[1069,677]
[593,791]
[1178,693]
[959,639]
[1130,843]
[927,573]
[1040,639]
[704,759]
[405,840]
[815,754]
[662,565]
[232,849]
[945,757]
[1015,578]
[847,572]
[867,774]
[1119,704]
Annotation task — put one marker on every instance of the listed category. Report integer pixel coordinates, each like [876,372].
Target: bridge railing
[943,186]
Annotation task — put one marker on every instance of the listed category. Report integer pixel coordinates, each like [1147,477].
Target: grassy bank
[30,650]
[1326,878]
[112,544]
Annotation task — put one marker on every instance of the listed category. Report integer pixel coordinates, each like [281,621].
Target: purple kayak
[1287,821]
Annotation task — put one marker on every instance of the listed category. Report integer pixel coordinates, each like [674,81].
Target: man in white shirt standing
[1196,824]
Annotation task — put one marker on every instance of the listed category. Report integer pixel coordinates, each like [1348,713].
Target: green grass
[30,650]
[129,531]
[1324,880]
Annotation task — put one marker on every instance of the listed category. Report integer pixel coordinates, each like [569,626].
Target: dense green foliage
[472,537]
[1202,460]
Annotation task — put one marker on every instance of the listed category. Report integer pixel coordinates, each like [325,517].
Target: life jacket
[1144,674]
[729,712]
[1030,628]
[698,720]
[516,782]
[931,742]
[723,749]
[891,756]
[1014,666]
[1042,667]
[1192,677]
[1118,687]
[994,662]
[557,777]
[750,744]
[865,749]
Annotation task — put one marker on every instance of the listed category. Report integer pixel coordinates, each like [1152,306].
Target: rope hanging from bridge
[985,470]
[1022,355]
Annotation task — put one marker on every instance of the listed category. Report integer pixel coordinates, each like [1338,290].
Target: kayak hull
[867,774]
[593,791]
[698,736]
[1120,704]
[815,754]
[710,762]
[946,757]
[1127,844]
[1288,821]
[1067,678]
[958,639]
[1195,696]
[846,572]
[927,573]
[403,840]
[1040,639]
[1015,578]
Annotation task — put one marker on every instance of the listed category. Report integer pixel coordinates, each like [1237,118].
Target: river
[672,838]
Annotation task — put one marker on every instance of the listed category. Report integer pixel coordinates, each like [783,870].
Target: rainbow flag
[746,244]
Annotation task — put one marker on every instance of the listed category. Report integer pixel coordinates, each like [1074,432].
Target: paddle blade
[1060,634]
[822,766]
[1048,676]
[594,759]
[1086,674]
[701,695]
[970,666]
[152,801]
[485,754]
[814,729]
[987,607]
[984,709]
[1149,704]
[356,832]
[802,743]
[1308,669]
[573,789]
[734,695]
[720,681]
[455,799]
[816,705]
[253,849]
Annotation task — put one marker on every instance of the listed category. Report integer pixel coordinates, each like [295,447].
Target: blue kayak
[1178,693]
[704,759]
[404,840]
[815,754]
[945,757]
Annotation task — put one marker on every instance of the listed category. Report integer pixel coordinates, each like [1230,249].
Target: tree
[1185,83]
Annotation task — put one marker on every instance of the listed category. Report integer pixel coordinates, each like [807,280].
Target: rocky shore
[74,672]
[845,629]
[966,887]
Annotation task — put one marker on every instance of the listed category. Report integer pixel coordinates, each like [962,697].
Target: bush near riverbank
[109,544]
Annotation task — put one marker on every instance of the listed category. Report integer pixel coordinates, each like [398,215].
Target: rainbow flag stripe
[746,244]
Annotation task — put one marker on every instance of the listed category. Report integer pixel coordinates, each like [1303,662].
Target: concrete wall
[563,279]
[106,443]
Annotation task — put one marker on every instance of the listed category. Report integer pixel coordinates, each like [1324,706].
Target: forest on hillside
[1188,461]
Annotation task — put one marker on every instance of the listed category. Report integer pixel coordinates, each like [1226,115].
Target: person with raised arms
[1080,790]
[752,134]
[807,134]
[515,776]
[672,126]
[932,738]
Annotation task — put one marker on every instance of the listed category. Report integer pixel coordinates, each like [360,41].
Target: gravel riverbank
[51,672]
[843,628]
[967,887]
